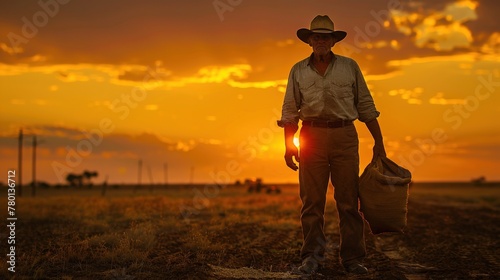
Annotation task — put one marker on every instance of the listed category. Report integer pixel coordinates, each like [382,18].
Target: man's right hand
[290,153]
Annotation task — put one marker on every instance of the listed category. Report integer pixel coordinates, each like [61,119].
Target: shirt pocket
[342,89]
[305,86]
[309,90]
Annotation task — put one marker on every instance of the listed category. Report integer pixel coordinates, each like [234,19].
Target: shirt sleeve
[291,103]
[364,100]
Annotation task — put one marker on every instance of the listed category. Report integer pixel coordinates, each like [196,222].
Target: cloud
[263,84]
[381,77]
[64,72]
[111,151]
[10,50]
[219,74]
[118,142]
[404,21]
[145,76]
[460,58]
[285,43]
[482,146]
[59,138]
[139,33]
[461,11]
[185,146]
[439,99]
[440,30]
[232,75]
[492,45]
[142,73]
[70,77]
[412,96]
[393,44]
[69,147]
[37,101]
[442,37]
[457,146]
[69,133]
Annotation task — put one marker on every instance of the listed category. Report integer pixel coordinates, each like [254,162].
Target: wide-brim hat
[323,25]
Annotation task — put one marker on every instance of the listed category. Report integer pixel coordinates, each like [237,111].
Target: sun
[296,141]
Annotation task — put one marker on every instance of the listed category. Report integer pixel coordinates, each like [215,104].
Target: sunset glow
[107,84]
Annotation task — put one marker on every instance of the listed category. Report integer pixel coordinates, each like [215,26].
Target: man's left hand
[378,151]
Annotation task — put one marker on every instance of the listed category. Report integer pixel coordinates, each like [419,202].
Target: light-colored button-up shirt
[341,93]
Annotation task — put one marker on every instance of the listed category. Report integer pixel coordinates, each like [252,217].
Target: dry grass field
[201,232]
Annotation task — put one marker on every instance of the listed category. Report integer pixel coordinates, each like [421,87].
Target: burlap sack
[383,194]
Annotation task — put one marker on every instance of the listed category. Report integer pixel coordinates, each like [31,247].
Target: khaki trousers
[330,153]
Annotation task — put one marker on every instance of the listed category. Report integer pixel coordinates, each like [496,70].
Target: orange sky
[200,87]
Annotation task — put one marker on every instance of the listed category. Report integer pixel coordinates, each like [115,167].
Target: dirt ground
[452,233]
[197,233]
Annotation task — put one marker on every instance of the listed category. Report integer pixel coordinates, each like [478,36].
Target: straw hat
[320,24]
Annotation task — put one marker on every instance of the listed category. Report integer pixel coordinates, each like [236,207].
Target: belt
[327,124]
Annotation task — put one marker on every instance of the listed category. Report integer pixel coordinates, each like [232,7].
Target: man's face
[321,43]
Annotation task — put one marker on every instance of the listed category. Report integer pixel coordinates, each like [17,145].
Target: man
[328,92]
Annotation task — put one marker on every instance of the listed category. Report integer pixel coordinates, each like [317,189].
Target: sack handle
[383,164]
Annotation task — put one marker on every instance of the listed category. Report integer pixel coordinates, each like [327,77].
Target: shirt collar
[312,57]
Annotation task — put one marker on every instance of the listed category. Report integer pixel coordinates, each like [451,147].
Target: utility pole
[165,173]
[150,175]
[33,187]
[139,175]
[104,186]
[20,163]
[192,175]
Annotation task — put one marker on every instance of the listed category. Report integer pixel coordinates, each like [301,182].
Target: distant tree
[258,185]
[87,175]
[72,179]
[78,180]
[479,181]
